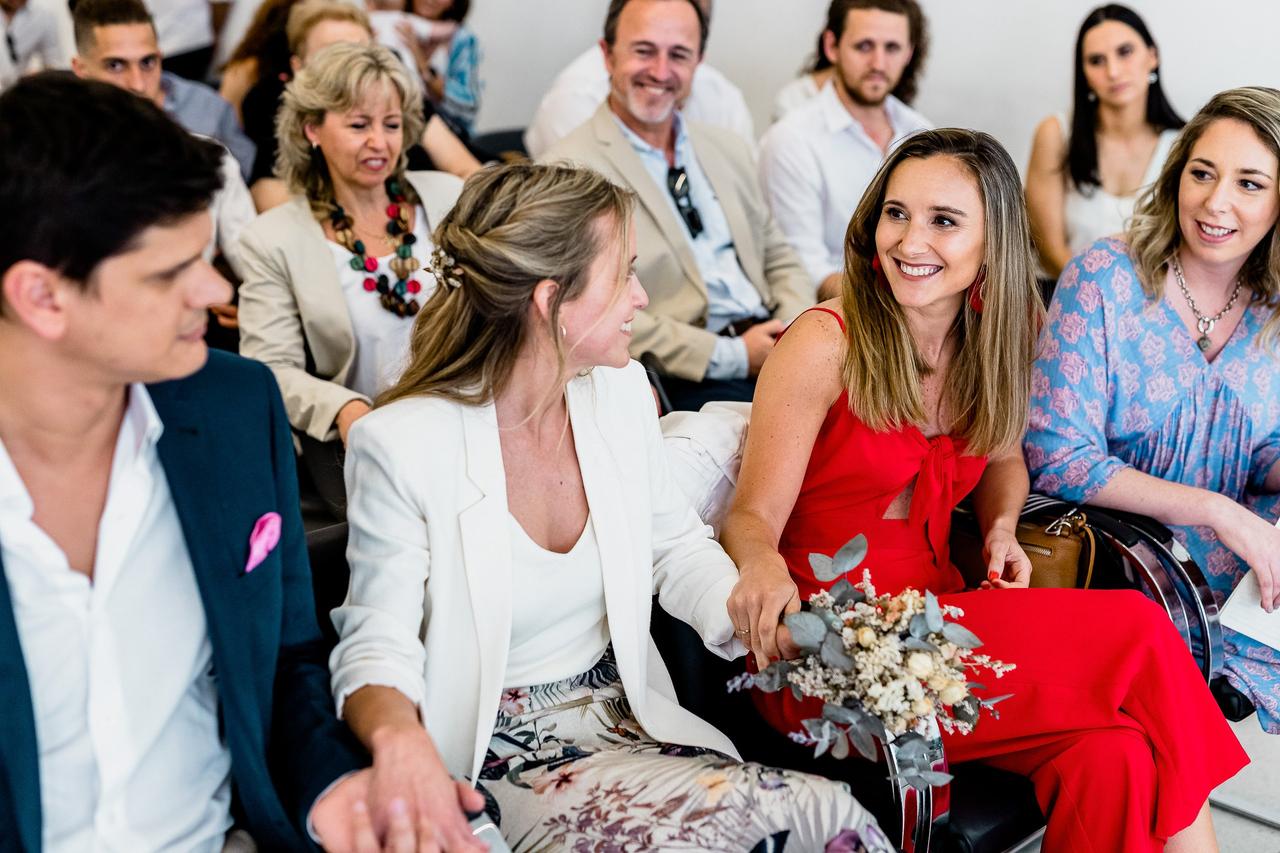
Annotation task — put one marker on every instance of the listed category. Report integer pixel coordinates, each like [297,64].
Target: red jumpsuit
[1110,717]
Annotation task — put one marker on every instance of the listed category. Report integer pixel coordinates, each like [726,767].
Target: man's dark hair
[615,12]
[86,167]
[917,31]
[86,15]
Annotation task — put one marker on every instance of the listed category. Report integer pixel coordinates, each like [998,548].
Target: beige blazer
[673,327]
[292,307]
[429,609]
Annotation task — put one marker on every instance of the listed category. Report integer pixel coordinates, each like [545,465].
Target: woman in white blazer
[511,515]
[333,278]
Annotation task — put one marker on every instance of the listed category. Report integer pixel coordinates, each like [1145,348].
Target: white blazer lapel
[486,555]
[627,596]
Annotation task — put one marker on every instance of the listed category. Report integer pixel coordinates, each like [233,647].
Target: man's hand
[759,340]
[348,415]
[342,822]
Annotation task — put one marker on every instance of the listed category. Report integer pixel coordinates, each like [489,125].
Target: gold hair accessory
[445,269]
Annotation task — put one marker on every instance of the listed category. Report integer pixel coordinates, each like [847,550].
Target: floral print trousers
[569,768]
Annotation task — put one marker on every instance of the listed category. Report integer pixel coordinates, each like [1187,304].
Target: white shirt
[730,294]
[120,667]
[231,209]
[815,165]
[382,338]
[181,25]
[794,95]
[558,623]
[578,90]
[40,30]
[1096,214]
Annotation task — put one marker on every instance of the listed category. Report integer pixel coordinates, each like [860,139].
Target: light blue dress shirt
[730,294]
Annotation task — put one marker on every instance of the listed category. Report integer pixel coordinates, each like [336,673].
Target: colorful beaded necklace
[398,298]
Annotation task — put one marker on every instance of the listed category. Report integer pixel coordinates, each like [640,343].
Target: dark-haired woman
[1086,169]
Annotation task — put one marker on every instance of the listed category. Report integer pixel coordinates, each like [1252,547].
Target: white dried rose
[866,637]
[953,693]
[920,664]
[922,707]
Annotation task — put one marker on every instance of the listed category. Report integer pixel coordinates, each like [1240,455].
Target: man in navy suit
[162,675]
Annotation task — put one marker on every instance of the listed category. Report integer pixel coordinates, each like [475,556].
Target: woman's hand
[407,770]
[764,594]
[1007,564]
[1254,540]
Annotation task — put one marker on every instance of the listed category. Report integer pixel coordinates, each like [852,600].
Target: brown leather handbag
[1061,547]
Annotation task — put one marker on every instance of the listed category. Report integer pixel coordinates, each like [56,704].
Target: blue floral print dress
[1120,383]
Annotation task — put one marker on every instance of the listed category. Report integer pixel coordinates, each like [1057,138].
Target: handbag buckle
[1071,523]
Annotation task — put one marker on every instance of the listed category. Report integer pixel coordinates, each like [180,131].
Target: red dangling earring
[879,271]
[975,291]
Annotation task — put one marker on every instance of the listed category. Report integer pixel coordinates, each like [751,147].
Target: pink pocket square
[265,536]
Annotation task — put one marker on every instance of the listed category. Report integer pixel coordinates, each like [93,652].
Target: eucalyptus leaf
[840,747]
[834,654]
[961,636]
[821,747]
[850,555]
[796,694]
[821,565]
[771,679]
[932,612]
[818,728]
[919,626]
[987,703]
[919,645]
[911,747]
[976,685]
[807,630]
[863,741]
[935,777]
[839,714]
[841,590]
[830,617]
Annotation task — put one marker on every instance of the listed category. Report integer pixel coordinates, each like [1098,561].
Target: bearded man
[816,162]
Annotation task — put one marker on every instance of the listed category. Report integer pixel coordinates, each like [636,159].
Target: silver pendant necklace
[1204,325]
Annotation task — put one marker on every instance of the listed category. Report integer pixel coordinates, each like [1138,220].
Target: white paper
[1243,612]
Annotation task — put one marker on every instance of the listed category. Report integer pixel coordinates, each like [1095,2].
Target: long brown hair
[512,227]
[988,383]
[1154,235]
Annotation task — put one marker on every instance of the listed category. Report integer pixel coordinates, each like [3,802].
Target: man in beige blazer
[721,279]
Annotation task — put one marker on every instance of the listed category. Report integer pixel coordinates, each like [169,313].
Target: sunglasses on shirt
[678,184]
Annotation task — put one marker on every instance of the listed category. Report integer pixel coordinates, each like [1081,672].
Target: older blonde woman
[334,278]
[497,626]
[1156,391]
[876,415]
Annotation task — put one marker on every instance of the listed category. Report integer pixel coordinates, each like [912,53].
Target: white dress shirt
[815,165]
[577,91]
[730,294]
[40,30]
[231,209]
[120,666]
[794,95]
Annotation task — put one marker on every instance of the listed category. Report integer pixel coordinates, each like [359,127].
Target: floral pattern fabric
[1120,383]
[569,768]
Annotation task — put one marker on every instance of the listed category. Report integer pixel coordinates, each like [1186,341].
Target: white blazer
[429,607]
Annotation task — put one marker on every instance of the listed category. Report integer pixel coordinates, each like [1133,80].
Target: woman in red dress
[876,414]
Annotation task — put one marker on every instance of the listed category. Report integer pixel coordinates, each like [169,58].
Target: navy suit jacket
[227,454]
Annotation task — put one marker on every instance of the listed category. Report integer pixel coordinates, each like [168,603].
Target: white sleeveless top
[558,623]
[1098,213]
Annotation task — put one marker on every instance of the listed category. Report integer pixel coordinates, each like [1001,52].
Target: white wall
[997,65]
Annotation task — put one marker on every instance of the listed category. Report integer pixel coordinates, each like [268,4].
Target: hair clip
[444,268]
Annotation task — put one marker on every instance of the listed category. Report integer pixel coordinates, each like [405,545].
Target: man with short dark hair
[162,669]
[721,279]
[116,43]
[816,161]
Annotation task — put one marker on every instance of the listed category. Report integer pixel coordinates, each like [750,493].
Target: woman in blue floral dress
[1157,389]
